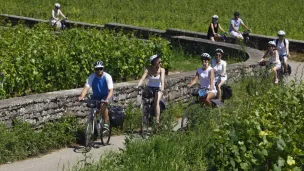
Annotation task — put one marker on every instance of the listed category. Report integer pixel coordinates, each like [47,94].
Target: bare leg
[218,88]
[212,38]
[104,112]
[157,98]
[207,99]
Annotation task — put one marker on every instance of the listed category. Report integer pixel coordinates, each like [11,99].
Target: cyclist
[220,73]
[273,53]
[205,75]
[56,13]
[235,26]
[282,46]
[213,29]
[102,87]
[156,79]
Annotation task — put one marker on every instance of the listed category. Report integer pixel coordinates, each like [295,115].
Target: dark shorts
[154,90]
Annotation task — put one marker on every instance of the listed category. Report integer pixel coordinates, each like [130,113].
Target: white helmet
[271,43]
[57,5]
[215,17]
[219,50]
[205,56]
[154,57]
[281,33]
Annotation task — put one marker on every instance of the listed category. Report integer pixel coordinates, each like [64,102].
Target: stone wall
[142,32]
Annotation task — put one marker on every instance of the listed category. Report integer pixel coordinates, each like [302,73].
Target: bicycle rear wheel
[105,134]
[89,133]
[146,122]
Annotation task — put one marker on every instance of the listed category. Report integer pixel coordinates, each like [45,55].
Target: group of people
[234,27]
[278,53]
[211,78]
[278,49]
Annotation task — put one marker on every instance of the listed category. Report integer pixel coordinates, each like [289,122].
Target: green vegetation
[260,128]
[262,16]
[22,140]
[36,60]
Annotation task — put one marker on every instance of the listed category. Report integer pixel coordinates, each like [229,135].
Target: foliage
[36,60]
[262,16]
[22,140]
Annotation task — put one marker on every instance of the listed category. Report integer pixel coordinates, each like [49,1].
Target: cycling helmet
[57,5]
[205,56]
[236,14]
[281,33]
[98,64]
[271,43]
[219,50]
[215,17]
[154,57]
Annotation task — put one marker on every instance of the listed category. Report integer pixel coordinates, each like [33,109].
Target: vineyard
[37,60]
[264,17]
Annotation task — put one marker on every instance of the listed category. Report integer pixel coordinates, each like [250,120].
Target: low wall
[40,108]
[142,32]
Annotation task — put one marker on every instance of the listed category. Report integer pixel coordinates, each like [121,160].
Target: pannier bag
[116,115]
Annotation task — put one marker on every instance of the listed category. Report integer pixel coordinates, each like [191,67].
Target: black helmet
[98,64]
[236,14]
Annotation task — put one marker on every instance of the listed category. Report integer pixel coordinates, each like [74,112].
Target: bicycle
[93,124]
[196,94]
[60,24]
[246,41]
[147,107]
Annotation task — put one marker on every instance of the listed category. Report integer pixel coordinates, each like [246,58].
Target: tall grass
[262,16]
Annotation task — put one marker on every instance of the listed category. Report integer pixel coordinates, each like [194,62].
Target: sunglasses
[218,55]
[98,69]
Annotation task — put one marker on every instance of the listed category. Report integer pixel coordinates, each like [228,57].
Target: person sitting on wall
[55,18]
[234,27]
[213,29]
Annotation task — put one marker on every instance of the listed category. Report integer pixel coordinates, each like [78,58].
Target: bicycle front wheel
[89,133]
[105,134]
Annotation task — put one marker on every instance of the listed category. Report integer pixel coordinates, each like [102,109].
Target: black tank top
[210,32]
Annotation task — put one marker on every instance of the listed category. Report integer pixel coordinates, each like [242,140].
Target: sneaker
[106,126]
[276,81]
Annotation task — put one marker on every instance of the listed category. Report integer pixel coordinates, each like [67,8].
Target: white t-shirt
[105,75]
[204,78]
[281,46]
[235,23]
[219,68]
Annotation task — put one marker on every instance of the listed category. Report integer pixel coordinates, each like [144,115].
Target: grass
[299,57]
[23,140]
[264,17]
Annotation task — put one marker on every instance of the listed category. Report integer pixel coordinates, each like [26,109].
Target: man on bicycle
[235,26]
[282,45]
[102,88]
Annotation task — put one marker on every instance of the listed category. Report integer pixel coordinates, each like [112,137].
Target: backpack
[116,116]
[277,40]
[226,92]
